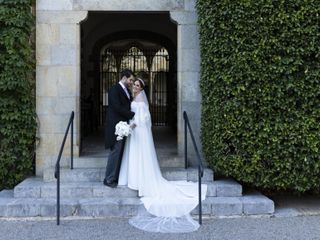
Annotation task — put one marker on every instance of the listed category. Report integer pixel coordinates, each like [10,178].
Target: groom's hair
[126,73]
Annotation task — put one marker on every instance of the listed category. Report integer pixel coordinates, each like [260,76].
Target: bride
[168,203]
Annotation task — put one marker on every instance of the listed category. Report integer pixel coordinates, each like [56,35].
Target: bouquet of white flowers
[122,129]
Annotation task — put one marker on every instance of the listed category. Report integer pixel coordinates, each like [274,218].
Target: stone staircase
[84,195]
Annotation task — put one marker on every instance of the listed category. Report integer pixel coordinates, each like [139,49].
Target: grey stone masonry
[36,188]
[84,195]
[101,161]
[6,194]
[97,174]
[126,206]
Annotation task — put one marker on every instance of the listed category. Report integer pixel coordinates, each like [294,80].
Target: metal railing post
[72,140]
[200,167]
[58,194]
[57,167]
[200,197]
[185,143]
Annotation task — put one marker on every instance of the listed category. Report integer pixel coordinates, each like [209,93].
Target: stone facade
[58,66]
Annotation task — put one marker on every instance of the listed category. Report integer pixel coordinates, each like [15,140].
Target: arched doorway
[152,56]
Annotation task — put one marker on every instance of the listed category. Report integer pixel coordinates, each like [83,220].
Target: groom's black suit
[118,110]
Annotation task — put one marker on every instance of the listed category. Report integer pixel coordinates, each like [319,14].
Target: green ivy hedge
[260,84]
[17,105]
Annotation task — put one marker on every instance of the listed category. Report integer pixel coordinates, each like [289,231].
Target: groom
[119,98]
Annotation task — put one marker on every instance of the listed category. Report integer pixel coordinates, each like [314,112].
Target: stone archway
[119,42]
[58,70]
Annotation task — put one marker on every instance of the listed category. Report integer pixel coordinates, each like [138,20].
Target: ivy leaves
[260,81]
[17,106]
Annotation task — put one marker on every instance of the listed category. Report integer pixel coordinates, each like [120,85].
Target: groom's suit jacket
[118,110]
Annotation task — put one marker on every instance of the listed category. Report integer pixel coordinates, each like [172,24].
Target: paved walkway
[295,218]
[293,228]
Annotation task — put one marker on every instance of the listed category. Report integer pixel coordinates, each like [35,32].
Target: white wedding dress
[168,203]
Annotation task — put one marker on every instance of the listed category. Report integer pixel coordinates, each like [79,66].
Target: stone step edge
[97,174]
[36,188]
[256,204]
[101,161]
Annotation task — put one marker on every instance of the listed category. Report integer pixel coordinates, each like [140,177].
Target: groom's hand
[132,126]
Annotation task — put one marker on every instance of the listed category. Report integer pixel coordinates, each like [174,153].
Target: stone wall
[58,66]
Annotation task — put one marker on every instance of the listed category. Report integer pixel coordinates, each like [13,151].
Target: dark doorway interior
[149,51]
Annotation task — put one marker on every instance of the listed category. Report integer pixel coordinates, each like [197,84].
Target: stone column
[58,78]
[189,97]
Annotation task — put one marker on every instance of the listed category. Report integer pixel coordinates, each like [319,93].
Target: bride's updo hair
[142,84]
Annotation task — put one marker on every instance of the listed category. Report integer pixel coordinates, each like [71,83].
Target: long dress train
[168,203]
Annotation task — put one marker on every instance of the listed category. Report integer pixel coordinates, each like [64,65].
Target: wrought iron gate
[150,64]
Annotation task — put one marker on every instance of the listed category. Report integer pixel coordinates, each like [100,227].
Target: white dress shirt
[125,89]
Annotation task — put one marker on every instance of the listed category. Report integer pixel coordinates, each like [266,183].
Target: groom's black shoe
[110,184]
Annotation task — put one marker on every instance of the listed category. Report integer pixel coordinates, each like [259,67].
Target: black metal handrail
[200,166]
[57,168]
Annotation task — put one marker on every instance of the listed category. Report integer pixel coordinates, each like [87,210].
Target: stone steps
[84,195]
[251,204]
[97,174]
[37,188]
[167,157]
[101,161]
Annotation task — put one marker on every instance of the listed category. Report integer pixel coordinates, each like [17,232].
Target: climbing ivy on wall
[260,84]
[17,100]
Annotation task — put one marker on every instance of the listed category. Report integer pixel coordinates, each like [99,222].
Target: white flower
[122,129]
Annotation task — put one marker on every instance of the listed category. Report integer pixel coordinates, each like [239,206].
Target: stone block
[189,36]
[3,205]
[47,81]
[53,124]
[206,208]
[49,146]
[68,82]
[256,203]
[91,162]
[67,191]
[190,87]
[188,60]
[75,175]
[120,191]
[69,34]
[174,174]
[68,207]
[228,188]
[23,207]
[171,162]
[65,54]
[57,80]
[29,188]
[40,163]
[45,105]
[54,4]
[64,105]
[184,17]
[61,16]
[47,34]
[6,194]
[124,5]
[193,174]
[43,55]
[190,5]
[193,110]
[48,175]
[211,189]
[111,207]
[225,206]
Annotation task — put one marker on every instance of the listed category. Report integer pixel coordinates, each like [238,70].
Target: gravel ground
[303,227]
